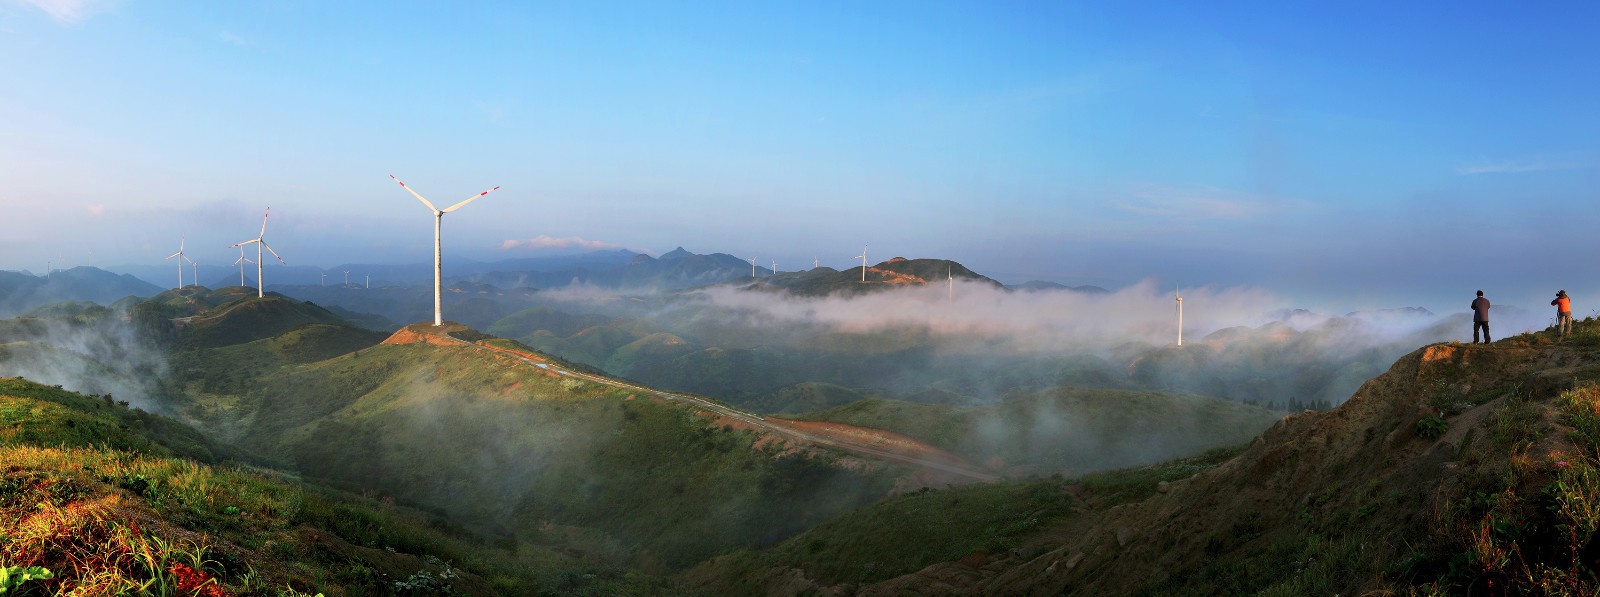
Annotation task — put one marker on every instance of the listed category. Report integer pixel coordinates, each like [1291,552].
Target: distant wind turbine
[369,280]
[346,277]
[260,242]
[774,267]
[951,274]
[815,263]
[438,269]
[196,265]
[863,258]
[240,262]
[324,281]
[752,267]
[181,258]
[1180,314]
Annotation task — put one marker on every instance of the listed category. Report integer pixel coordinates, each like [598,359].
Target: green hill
[250,318]
[1464,469]
[92,502]
[517,453]
[1066,430]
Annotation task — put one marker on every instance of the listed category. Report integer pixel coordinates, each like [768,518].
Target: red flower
[195,582]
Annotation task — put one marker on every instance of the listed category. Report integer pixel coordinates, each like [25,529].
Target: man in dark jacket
[1480,318]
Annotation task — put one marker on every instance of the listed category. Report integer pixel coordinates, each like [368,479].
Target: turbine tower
[438,270]
[369,280]
[1180,314]
[950,273]
[196,265]
[346,277]
[240,262]
[324,281]
[774,267]
[260,241]
[863,258]
[815,263]
[752,267]
[181,258]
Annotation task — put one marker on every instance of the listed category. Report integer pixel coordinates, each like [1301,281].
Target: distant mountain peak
[678,253]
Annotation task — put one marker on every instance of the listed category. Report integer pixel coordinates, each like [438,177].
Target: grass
[108,520]
[906,533]
[1067,430]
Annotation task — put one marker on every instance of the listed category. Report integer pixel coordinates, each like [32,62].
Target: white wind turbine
[260,241]
[752,267]
[324,281]
[369,280]
[196,267]
[774,267]
[240,262]
[815,263]
[950,273]
[1180,314]
[863,258]
[181,258]
[438,218]
[346,277]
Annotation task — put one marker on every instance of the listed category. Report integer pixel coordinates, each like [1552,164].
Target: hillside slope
[1462,468]
[93,507]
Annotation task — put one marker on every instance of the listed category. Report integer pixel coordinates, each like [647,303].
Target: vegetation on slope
[104,511]
[1066,430]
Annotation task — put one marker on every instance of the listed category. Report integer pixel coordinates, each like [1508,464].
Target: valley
[537,472]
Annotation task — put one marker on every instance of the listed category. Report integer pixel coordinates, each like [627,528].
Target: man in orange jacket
[1563,306]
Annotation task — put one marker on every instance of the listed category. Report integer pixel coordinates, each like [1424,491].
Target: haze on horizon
[1343,157]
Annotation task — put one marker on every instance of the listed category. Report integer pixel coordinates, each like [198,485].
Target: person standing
[1563,306]
[1480,318]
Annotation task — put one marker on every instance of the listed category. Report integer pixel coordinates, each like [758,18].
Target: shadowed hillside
[1463,469]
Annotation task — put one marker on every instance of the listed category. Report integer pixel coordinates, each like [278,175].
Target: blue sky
[1352,155]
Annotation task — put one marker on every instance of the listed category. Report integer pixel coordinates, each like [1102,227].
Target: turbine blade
[468,200]
[264,223]
[174,255]
[414,194]
[274,253]
[186,258]
[248,242]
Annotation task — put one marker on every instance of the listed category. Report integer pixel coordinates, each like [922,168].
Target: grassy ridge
[906,533]
[511,451]
[1066,429]
[105,513]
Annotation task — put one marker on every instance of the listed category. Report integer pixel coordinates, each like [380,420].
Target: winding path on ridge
[942,465]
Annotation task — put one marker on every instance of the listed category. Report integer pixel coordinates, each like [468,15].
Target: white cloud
[69,12]
[233,38]
[543,242]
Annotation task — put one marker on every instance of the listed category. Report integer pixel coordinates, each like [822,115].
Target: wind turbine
[196,265]
[240,262]
[815,263]
[863,258]
[950,272]
[369,280]
[774,267]
[1180,314]
[438,270]
[346,277]
[324,281]
[260,241]
[181,258]
[752,267]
